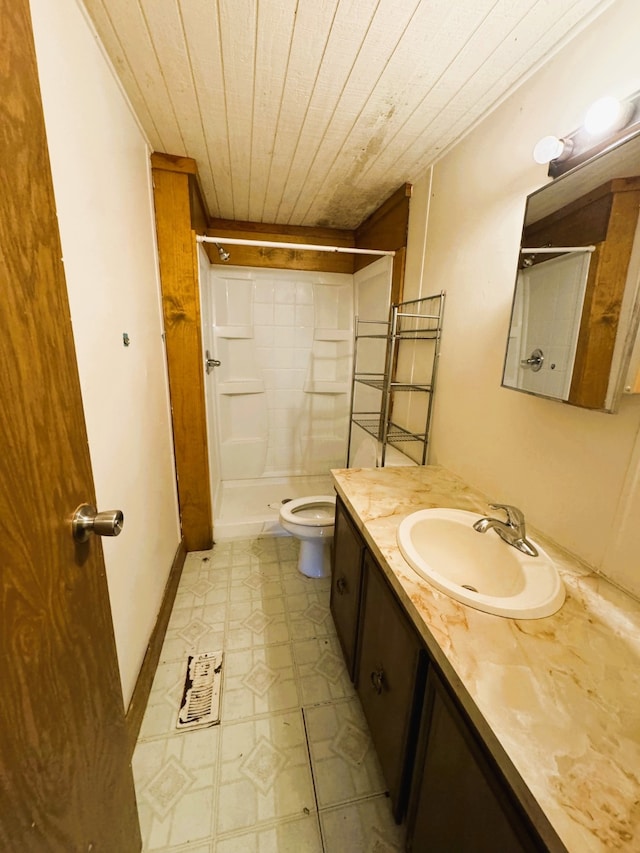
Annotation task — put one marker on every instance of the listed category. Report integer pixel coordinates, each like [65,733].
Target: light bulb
[607,115]
[551,148]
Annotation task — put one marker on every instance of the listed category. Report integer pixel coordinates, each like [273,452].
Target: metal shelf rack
[414,320]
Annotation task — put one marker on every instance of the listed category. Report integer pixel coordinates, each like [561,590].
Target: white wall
[573,472]
[101,176]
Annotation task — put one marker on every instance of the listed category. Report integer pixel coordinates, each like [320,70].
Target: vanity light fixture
[607,115]
[552,148]
[608,122]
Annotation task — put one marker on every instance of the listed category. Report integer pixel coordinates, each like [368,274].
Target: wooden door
[65,778]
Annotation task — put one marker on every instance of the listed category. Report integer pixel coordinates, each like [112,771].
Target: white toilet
[311,520]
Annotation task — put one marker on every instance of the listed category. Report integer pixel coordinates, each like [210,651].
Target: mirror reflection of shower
[545,321]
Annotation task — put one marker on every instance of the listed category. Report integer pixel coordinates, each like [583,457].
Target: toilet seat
[312,511]
[311,520]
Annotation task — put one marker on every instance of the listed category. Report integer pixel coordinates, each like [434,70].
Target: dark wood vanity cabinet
[437,767]
[458,799]
[346,578]
[390,672]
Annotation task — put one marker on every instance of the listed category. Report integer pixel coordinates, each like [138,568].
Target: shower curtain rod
[555,250]
[269,244]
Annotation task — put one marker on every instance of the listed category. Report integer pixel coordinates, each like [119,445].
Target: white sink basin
[479,569]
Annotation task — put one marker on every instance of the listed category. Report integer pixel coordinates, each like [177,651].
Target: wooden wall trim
[177,252]
[174,163]
[198,206]
[386,228]
[293,233]
[138,704]
[186,166]
[283,258]
[603,303]
[388,223]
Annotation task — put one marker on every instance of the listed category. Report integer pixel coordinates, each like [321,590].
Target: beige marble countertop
[560,696]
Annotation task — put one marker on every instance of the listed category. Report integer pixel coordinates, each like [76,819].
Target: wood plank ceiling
[311,112]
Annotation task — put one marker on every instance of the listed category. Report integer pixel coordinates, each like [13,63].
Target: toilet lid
[314,511]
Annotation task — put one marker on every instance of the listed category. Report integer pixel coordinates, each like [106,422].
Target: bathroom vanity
[493,733]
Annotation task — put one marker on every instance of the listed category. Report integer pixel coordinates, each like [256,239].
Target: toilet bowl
[311,520]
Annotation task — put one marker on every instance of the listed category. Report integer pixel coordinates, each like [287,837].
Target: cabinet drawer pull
[341,586]
[377,680]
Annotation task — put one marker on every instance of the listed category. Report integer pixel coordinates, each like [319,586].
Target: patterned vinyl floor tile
[291,767]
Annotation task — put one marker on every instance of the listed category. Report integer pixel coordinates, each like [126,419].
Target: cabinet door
[459,803]
[346,579]
[390,676]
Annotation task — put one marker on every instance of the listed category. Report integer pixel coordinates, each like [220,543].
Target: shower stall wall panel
[279,398]
[372,291]
[206,309]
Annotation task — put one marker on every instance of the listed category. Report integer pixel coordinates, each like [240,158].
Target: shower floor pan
[251,507]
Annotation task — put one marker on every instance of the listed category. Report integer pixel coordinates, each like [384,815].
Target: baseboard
[142,689]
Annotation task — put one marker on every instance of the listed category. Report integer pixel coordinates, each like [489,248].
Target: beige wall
[573,472]
[101,176]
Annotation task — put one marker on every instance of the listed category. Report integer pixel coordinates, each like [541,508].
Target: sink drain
[469,587]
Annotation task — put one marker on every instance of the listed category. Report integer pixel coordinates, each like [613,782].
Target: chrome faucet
[512,531]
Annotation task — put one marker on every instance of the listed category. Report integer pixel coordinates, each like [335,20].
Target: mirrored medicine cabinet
[576,306]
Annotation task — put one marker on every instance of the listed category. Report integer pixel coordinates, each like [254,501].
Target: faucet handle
[515,516]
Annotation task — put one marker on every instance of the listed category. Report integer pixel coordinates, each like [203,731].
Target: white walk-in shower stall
[278,401]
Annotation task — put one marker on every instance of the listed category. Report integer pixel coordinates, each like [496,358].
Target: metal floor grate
[200,704]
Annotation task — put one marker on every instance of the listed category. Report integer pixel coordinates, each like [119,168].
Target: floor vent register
[200,704]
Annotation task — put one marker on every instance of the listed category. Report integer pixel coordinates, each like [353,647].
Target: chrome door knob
[210,363]
[87,520]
